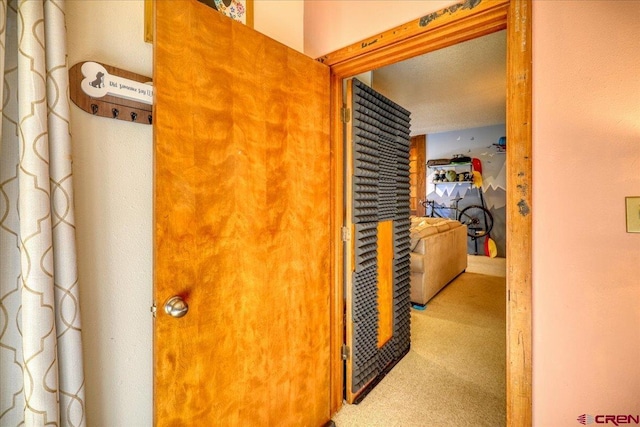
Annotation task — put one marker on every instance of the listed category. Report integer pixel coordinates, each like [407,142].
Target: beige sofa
[438,255]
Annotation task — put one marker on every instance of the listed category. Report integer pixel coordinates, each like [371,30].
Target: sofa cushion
[443,226]
[454,224]
[429,220]
[424,230]
[423,227]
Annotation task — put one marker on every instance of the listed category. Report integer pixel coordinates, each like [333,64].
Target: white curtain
[41,370]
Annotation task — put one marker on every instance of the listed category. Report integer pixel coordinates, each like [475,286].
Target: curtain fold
[41,369]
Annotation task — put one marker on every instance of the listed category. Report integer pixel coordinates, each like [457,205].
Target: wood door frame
[456,24]
[418,146]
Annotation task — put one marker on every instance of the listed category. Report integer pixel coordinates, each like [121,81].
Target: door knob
[176,307]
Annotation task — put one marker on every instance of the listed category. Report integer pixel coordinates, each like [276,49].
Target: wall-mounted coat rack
[103,90]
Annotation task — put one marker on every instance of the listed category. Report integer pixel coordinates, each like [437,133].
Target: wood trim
[148,21]
[250,13]
[444,30]
[418,150]
[349,256]
[431,23]
[485,21]
[519,226]
[337,254]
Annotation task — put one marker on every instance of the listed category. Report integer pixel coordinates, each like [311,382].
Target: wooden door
[377,256]
[242,225]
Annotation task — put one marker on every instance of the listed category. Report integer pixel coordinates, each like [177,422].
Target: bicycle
[478,219]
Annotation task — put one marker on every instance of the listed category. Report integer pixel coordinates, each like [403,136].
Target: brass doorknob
[176,307]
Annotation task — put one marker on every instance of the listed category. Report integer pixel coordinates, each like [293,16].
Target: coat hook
[150,119]
[94,108]
[134,116]
[115,112]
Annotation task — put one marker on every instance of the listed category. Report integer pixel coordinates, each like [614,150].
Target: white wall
[282,20]
[113,179]
[586,159]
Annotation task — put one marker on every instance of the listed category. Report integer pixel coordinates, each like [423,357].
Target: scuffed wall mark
[520,173]
[524,189]
[466,4]
[521,24]
[523,208]
[367,44]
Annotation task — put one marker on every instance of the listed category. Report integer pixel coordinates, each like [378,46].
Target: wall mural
[485,144]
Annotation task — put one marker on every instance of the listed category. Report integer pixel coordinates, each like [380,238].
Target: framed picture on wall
[240,10]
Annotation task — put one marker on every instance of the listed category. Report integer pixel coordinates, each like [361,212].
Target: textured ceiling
[459,87]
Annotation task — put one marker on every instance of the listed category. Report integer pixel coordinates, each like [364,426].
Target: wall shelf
[461,170]
[451,182]
[450,165]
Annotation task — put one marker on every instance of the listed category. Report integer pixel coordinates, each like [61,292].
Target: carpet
[454,374]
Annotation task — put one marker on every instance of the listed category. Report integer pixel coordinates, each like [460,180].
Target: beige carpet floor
[454,374]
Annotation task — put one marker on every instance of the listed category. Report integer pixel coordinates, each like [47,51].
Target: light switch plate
[633,214]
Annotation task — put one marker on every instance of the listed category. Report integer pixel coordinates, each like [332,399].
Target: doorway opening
[441,30]
[457,101]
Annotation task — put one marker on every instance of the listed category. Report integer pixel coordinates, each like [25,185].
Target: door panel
[242,225]
[377,210]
